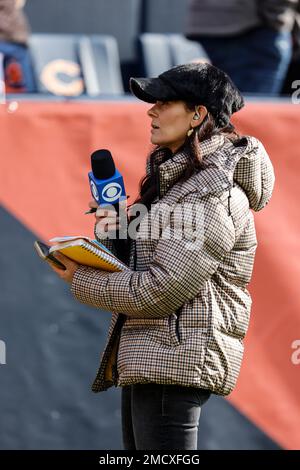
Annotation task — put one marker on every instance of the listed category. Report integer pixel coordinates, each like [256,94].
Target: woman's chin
[155,141]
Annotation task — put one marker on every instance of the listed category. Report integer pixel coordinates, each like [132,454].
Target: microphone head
[103,166]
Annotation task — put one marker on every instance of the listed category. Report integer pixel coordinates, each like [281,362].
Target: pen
[94,209]
[91,211]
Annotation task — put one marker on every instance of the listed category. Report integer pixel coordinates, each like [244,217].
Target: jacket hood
[254,173]
[247,165]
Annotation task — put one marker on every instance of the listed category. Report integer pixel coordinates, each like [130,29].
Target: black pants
[156,416]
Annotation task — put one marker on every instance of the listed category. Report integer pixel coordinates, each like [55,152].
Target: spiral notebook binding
[104,256]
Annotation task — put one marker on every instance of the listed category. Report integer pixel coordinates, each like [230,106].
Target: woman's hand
[107,219]
[70,265]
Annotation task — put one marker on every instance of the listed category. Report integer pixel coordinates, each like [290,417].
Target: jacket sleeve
[179,269]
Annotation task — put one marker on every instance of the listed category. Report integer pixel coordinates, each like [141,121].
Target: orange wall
[45,157]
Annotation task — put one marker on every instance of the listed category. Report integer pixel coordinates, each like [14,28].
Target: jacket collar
[171,170]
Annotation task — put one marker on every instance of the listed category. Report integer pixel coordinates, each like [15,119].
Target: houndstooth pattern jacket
[181,310]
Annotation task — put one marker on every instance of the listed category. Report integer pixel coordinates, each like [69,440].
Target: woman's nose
[152,111]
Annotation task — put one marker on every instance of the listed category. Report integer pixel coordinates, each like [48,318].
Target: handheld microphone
[106,182]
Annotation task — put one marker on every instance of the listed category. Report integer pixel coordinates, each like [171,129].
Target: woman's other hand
[68,274]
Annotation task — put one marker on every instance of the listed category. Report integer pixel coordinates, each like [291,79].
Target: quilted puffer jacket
[181,310]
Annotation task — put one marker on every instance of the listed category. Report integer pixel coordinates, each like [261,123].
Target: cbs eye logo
[111,192]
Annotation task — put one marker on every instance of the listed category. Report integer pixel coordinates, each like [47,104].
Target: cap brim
[151,89]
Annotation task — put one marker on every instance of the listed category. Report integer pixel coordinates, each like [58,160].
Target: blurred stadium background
[50,344]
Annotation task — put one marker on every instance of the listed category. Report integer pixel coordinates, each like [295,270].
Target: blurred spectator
[293,74]
[14,33]
[251,40]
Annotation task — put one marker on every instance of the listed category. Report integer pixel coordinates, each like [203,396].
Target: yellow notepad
[88,252]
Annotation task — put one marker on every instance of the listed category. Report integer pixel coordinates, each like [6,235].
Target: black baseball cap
[197,83]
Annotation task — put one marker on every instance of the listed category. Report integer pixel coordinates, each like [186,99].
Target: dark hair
[206,130]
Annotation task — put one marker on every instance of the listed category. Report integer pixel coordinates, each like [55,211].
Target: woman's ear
[199,116]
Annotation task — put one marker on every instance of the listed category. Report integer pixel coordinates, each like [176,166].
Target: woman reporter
[181,311]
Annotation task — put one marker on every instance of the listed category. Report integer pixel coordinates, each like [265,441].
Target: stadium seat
[155,53]
[100,53]
[183,50]
[74,64]
[55,59]
[159,52]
